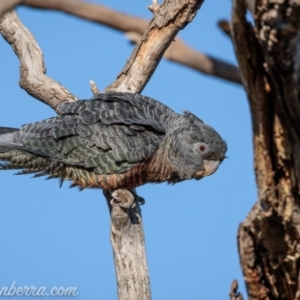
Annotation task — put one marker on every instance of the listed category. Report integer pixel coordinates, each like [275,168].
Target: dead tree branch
[32,69]
[168,20]
[269,238]
[128,242]
[179,52]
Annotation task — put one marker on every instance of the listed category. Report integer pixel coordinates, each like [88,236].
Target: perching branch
[179,52]
[32,69]
[128,243]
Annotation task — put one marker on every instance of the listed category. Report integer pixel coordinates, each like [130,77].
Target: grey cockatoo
[115,140]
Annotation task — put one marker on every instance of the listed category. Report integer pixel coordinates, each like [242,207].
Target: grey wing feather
[110,133]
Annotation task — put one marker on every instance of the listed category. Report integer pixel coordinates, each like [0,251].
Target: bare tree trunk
[268,56]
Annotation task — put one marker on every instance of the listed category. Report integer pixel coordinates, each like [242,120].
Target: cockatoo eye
[202,148]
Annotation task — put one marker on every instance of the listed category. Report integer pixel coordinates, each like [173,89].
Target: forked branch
[169,18]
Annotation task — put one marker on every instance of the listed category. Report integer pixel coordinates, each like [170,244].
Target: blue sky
[60,237]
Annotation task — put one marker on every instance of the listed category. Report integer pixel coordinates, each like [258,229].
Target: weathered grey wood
[128,242]
[269,238]
[32,68]
[169,18]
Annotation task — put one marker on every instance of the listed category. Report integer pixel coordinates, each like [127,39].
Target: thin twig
[94,88]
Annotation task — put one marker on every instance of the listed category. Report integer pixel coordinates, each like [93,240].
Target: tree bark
[168,19]
[128,243]
[268,57]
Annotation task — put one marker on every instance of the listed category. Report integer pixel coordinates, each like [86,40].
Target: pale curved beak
[210,166]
